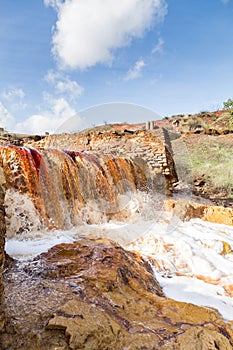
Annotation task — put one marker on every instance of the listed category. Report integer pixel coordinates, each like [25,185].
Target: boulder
[187,210]
[93,294]
[2,242]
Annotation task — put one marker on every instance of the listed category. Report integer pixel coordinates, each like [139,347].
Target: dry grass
[214,162]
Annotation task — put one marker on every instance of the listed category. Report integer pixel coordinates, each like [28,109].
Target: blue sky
[60,57]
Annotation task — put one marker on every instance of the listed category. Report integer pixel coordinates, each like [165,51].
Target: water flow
[78,194]
[58,189]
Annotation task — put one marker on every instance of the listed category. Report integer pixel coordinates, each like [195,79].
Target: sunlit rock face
[2,242]
[93,294]
[187,210]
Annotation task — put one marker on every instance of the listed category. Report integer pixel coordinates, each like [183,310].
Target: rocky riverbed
[93,294]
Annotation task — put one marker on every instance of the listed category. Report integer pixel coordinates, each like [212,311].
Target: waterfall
[51,195]
[55,189]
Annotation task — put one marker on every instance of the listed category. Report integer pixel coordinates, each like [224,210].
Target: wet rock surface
[93,294]
[2,243]
[149,149]
[187,210]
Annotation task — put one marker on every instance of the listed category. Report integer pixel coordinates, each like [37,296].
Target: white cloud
[37,124]
[58,112]
[13,93]
[15,98]
[88,31]
[52,76]
[53,3]
[225,1]
[69,86]
[136,71]
[64,85]
[61,108]
[159,46]
[7,121]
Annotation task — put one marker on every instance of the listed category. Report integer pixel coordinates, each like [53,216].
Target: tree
[228,104]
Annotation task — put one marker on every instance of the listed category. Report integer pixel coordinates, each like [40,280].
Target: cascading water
[53,188]
[55,196]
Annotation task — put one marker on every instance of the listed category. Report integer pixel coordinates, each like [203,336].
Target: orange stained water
[61,183]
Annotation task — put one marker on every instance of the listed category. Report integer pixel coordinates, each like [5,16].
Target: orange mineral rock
[93,294]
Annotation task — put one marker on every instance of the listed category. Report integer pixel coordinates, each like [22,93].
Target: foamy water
[193,261]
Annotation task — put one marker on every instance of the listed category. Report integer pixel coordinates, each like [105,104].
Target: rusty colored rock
[149,149]
[2,243]
[59,186]
[187,210]
[93,294]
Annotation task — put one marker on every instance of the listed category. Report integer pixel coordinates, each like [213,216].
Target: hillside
[208,137]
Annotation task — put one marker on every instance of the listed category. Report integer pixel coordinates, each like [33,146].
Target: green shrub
[228,104]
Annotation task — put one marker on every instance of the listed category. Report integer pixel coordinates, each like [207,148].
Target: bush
[228,104]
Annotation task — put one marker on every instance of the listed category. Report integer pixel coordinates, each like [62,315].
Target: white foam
[197,292]
[21,215]
[190,262]
[24,249]
[189,258]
